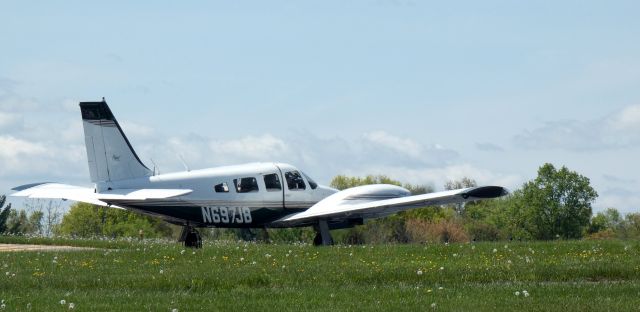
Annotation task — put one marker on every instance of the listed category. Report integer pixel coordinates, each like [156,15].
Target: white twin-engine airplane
[258,195]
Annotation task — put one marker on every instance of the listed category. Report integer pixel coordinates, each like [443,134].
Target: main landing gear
[323,236]
[191,237]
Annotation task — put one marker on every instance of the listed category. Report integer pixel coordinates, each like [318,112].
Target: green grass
[159,276]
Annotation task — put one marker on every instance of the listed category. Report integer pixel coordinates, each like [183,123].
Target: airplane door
[297,194]
[274,189]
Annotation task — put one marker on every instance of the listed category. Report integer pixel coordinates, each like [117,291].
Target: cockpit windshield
[312,183]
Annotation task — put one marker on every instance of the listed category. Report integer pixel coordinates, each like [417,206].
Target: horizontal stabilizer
[59,191]
[88,195]
[141,194]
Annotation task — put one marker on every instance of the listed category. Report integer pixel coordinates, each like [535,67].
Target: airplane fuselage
[243,196]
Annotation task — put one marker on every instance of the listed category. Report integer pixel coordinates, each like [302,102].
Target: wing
[342,207]
[88,195]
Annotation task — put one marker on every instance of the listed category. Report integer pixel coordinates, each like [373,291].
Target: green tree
[86,220]
[558,202]
[4,214]
[609,219]
[389,229]
[460,184]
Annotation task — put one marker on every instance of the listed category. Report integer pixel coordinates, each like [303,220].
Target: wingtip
[28,186]
[487,192]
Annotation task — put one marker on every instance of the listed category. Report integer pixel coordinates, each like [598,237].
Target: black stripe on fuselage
[193,214]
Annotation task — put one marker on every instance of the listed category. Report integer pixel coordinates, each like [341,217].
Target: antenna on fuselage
[154,167]
[184,163]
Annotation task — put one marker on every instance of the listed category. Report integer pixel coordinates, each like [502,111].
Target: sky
[421,91]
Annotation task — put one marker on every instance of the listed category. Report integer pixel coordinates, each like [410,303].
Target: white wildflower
[174,310]
[63,302]
[495,250]
[72,306]
[525,293]
[161,271]
[517,293]
[433,305]
[419,272]
[440,288]
[441,268]
[182,252]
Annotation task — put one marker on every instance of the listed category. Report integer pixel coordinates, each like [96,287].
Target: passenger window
[312,183]
[272,182]
[294,181]
[246,185]
[221,188]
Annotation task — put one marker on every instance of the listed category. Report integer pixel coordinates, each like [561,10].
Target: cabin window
[246,185]
[272,182]
[221,188]
[294,181]
[312,183]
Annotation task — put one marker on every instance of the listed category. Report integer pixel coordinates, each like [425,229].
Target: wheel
[193,239]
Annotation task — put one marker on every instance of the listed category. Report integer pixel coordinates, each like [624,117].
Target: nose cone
[325,191]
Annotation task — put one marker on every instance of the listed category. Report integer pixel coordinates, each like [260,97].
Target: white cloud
[8,120]
[626,120]
[400,145]
[12,149]
[136,130]
[251,147]
[618,130]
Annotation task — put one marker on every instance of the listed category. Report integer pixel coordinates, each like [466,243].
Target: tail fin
[111,157]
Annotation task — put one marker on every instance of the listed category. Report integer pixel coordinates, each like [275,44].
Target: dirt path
[22,247]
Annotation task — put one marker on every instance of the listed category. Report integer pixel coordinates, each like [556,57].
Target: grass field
[238,276]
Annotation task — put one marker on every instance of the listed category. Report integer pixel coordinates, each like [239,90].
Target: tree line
[557,204]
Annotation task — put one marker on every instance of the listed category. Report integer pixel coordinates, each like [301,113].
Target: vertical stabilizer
[110,155]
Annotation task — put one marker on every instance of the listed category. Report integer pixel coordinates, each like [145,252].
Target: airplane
[255,195]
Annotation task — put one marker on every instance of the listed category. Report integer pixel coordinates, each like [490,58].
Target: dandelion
[419,272]
[63,302]
[433,305]
[241,259]
[267,256]
[517,293]
[350,254]
[495,250]
[253,263]
[174,310]
[455,255]
[440,288]
[161,271]
[182,252]
[441,268]
[525,293]
[2,306]
[72,306]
